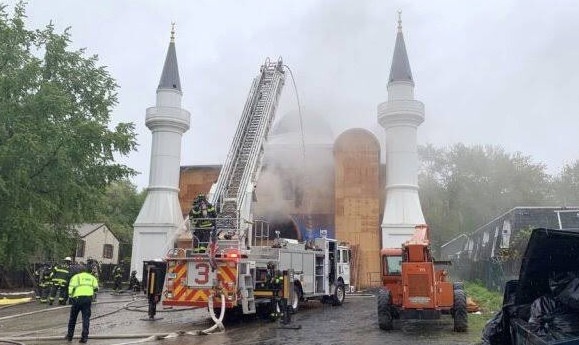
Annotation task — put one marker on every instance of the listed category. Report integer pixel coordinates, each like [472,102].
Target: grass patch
[489,303]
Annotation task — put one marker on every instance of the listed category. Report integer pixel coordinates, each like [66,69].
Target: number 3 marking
[202,276]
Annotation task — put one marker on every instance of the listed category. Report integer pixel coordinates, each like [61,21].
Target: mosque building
[315,183]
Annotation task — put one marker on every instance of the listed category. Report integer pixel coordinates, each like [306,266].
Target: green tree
[119,208]
[566,185]
[56,147]
[463,187]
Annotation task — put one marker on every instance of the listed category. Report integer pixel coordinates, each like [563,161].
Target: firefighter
[202,216]
[44,282]
[118,275]
[134,283]
[59,280]
[93,267]
[81,288]
[274,281]
[37,289]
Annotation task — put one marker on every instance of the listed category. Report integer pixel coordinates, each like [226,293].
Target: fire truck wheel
[295,302]
[384,310]
[459,311]
[339,294]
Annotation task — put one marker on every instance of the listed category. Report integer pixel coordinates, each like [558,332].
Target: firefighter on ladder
[59,279]
[202,216]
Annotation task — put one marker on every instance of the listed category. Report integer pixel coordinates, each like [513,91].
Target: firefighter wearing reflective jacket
[81,288]
[202,216]
[59,280]
[274,281]
[44,282]
[134,283]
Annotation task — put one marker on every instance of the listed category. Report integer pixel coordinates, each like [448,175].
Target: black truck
[542,306]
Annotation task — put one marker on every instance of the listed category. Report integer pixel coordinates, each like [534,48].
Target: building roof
[87,228]
[170,76]
[532,209]
[400,69]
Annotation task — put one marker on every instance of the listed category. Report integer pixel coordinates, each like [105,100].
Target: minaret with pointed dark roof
[400,69]
[161,216]
[170,76]
[400,116]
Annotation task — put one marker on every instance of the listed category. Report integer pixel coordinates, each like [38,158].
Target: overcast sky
[489,72]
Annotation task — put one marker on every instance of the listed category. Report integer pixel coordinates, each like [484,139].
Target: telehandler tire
[384,310]
[460,313]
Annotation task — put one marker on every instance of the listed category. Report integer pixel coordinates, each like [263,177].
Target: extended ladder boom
[233,189]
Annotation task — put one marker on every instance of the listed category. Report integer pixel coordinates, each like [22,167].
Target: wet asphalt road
[116,315]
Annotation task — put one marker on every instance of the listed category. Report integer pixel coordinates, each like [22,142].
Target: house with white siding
[97,242]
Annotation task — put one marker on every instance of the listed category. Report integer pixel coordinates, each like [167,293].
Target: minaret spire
[170,76]
[400,69]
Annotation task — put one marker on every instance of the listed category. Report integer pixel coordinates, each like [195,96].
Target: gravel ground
[352,323]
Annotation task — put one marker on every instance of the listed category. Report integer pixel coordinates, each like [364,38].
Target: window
[108,251]
[392,265]
[345,258]
[80,249]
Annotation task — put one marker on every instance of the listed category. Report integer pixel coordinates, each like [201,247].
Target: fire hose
[218,320]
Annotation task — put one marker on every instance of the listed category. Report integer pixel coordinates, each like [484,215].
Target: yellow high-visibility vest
[82,284]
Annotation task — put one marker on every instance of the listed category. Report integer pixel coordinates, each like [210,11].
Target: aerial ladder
[233,191]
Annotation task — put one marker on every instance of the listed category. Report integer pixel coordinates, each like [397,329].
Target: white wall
[94,243]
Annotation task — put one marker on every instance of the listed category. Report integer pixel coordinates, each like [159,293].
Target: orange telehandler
[414,286]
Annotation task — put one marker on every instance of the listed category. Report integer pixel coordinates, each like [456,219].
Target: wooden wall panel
[194,180]
[357,200]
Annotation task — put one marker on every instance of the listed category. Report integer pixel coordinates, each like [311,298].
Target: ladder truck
[232,274]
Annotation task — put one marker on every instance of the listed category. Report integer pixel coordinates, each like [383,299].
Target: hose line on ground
[142,338]
[218,321]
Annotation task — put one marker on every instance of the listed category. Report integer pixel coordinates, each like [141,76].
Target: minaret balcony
[173,117]
[400,112]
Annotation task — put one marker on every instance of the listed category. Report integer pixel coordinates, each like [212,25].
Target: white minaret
[400,116]
[161,214]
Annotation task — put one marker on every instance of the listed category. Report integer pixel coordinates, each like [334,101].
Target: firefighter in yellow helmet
[81,288]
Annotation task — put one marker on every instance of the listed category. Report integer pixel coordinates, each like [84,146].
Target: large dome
[287,129]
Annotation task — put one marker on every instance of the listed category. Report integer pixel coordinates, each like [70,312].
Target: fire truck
[230,265]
